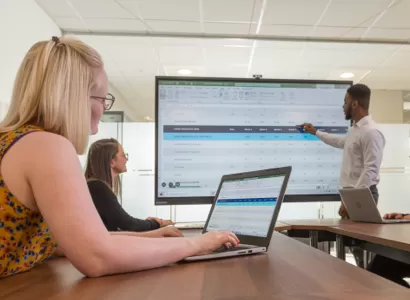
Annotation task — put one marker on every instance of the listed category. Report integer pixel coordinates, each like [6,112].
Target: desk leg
[365,259]
[340,247]
[314,238]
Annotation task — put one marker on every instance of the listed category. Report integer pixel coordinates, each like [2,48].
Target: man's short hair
[361,93]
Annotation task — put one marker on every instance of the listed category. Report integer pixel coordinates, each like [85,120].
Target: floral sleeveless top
[25,239]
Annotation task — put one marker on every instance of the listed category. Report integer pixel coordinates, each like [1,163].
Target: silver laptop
[247,204]
[361,206]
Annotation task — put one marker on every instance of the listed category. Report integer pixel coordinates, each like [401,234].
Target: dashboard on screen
[209,127]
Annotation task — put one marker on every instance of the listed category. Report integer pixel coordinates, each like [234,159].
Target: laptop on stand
[247,204]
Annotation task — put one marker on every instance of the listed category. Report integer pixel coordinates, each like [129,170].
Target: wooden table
[391,235]
[290,270]
[281,226]
[391,240]
[314,226]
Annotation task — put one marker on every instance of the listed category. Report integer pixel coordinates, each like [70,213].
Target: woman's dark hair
[99,158]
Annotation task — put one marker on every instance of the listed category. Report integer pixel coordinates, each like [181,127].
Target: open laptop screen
[246,206]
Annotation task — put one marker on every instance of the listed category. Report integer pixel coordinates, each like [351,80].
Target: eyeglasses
[108,101]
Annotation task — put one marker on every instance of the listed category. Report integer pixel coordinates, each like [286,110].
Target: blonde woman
[58,99]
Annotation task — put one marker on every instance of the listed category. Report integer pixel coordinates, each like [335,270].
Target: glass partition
[138,140]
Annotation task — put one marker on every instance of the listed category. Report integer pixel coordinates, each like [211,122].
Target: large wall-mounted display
[208,127]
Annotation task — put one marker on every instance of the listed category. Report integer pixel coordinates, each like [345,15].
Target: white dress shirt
[363,147]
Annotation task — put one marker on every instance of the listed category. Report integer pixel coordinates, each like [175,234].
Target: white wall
[22,23]
[386,106]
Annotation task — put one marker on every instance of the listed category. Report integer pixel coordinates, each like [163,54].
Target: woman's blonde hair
[52,90]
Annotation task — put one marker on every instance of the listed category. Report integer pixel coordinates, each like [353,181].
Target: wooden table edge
[368,238]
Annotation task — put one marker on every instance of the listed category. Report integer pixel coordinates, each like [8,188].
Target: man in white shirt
[362,146]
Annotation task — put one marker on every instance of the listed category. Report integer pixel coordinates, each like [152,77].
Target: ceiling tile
[272,59]
[373,48]
[100,9]
[404,48]
[352,58]
[70,23]
[393,72]
[377,82]
[138,69]
[134,59]
[328,46]
[286,30]
[355,32]
[178,55]
[272,73]
[227,28]
[174,26]
[257,9]
[389,34]
[328,31]
[228,42]
[233,71]
[228,10]
[307,74]
[172,70]
[111,68]
[123,41]
[353,13]
[222,56]
[133,62]
[323,58]
[293,12]
[335,73]
[123,25]
[131,51]
[57,8]
[171,41]
[399,59]
[280,45]
[175,10]
[143,84]
[396,17]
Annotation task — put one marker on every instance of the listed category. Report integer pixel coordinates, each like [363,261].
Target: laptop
[361,207]
[247,204]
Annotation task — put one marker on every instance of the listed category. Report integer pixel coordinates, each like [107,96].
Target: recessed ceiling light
[147,118]
[184,72]
[347,75]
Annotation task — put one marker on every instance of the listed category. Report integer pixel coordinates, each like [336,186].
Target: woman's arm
[112,213]
[158,233]
[49,165]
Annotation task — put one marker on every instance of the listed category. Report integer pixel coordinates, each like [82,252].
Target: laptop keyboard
[396,221]
[224,249]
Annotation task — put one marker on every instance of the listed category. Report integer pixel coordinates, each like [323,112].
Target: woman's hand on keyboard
[396,216]
[212,240]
